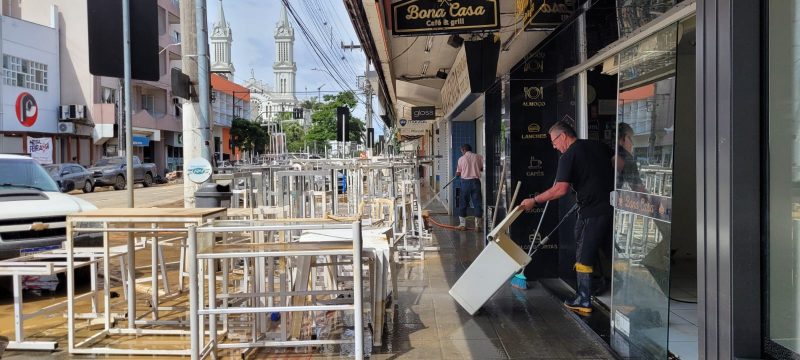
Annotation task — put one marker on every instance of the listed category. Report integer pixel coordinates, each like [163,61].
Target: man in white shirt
[469,168]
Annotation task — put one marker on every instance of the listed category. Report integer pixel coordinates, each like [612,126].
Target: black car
[71,176]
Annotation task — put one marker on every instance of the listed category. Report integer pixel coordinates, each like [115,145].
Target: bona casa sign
[421,17]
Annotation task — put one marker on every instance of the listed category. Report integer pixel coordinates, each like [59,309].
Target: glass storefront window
[783,253]
[643,196]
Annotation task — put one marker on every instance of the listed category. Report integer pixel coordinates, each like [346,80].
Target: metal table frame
[200,349]
[126,218]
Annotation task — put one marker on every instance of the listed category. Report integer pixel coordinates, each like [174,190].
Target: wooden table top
[150,212]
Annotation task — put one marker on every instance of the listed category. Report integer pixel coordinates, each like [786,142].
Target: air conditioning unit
[72,112]
[66,128]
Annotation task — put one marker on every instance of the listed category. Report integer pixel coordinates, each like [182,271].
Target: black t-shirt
[586,165]
[629,174]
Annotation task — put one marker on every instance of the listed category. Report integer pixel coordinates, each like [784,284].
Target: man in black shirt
[586,167]
[628,177]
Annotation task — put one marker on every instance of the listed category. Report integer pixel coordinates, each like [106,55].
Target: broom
[519,280]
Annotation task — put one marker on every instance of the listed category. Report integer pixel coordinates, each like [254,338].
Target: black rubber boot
[582,304]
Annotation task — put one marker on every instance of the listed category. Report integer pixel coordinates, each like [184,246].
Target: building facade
[221,42]
[30,93]
[156,117]
[230,101]
[705,252]
[285,69]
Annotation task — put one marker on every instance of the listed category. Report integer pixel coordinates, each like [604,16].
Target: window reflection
[649,112]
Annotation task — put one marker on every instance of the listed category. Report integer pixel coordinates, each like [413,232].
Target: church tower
[221,40]
[284,66]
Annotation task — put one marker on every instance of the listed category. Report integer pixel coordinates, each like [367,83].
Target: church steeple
[221,19]
[221,41]
[284,67]
[284,16]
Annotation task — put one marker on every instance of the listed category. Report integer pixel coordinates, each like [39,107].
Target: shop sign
[534,96]
[534,131]
[41,149]
[141,141]
[27,110]
[652,206]
[541,15]
[423,113]
[534,165]
[426,17]
[456,87]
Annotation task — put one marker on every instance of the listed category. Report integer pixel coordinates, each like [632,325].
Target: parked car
[111,171]
[74,174]
[33,210]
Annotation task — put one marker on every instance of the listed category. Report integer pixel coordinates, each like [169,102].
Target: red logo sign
[27,110]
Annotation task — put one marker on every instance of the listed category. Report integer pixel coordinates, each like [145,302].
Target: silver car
[71,176]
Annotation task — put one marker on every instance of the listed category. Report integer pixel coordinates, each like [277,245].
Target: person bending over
[586,167]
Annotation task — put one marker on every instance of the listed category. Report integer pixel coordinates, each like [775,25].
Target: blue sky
[253,23]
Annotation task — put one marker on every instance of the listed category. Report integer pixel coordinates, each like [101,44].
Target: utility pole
[368,91]
[195,111]
[126,49]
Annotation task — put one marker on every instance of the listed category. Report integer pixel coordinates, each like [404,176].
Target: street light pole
[319,93]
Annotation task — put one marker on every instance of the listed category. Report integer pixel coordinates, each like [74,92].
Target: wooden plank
[301,284]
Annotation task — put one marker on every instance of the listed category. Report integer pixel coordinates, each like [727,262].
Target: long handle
[438,192]
[538,227]
[516,191]
[536,233]
[546,238]
[499,193]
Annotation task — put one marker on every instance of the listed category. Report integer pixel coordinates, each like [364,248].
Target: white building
[221,43]
[31,92]
[284,67]
[156,115]
[268,103]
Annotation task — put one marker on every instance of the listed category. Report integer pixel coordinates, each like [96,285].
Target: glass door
[643,197]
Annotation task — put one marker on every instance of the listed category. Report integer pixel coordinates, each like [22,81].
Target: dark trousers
[590,234]
[470,192]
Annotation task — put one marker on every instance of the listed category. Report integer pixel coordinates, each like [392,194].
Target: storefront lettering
[645,204]
[456,10]
[429,16]
[640,205]
[534,136]
[534,104]
[534,173]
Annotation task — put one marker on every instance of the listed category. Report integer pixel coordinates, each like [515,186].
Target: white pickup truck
[32,209]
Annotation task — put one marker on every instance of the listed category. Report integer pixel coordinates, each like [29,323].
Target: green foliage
[323,121]
[248,135]
[294,137]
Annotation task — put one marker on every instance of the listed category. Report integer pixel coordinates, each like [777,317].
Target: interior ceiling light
[429,44]
[425,67]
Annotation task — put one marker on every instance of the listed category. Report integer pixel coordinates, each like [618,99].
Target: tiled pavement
[426,323]
[429,324]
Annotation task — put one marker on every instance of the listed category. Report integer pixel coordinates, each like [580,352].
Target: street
[155,196]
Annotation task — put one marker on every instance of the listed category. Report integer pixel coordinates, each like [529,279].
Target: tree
[295,134]
[323,120]
[248,135]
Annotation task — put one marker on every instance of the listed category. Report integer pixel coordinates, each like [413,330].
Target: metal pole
[126,51]
[204,90]
[194,328]
[126,46]
[357,290]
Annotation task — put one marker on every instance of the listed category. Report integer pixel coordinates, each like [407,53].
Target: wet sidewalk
[514,324]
